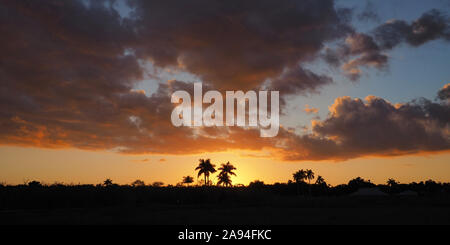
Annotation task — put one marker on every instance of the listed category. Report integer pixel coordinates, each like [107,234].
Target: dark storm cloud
[65,78]
[68,68]
[358,50]
[375,126]
[369,50]
[298,81]
[369,13]
[236,44]
[430,26]
[68,72]
[371,127]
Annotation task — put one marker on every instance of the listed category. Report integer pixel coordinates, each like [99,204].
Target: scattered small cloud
[310,110]
[141,160]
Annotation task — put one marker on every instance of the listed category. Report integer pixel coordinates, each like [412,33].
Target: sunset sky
[85,88]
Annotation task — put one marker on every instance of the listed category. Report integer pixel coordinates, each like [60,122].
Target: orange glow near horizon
[19,165]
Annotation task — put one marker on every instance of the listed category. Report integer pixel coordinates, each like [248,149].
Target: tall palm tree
[225,171]
[309,174]
[224,179]
[227,168]
[187,180]
[205,167]
[299,176]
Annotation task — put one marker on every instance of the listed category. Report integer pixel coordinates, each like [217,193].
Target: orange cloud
[311,110]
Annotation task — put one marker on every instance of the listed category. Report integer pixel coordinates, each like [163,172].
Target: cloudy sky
[85,88]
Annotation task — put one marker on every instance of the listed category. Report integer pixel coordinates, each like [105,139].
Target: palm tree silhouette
[391,182]
[299,177]
[187,180]
[228,168]
[108,182]
[225,171]
[320,180]
[205,167]
[224,179]
[309,174]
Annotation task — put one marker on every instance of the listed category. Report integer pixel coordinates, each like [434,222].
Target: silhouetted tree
[188,180]
[157,184]
[391,182]
[137,183]
[34,183]
[224,179]
[228,168]
[205,167]
[299,177]
[257,184]
[108,182]
[224,176]
[359,182]
[431,186]
[309,175]
[320,181]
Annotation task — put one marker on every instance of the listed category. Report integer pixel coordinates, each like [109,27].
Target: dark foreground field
[197,205]
[171,214]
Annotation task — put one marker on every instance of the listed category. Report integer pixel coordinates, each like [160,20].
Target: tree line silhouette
[34,194]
